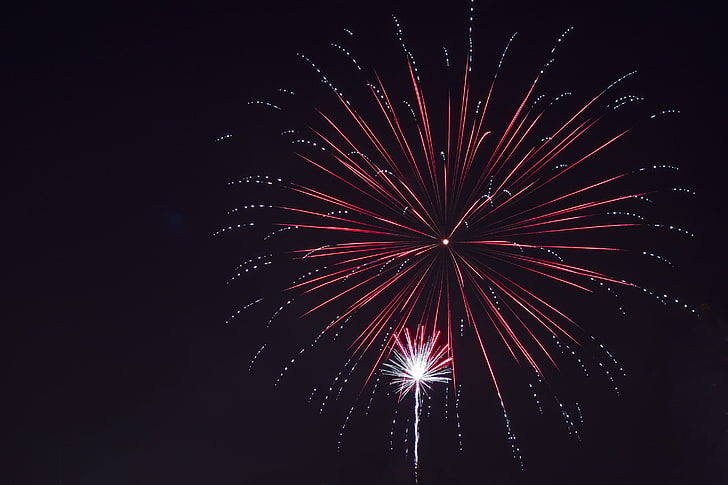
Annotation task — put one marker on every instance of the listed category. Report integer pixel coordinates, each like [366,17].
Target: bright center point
[445,242]
[417,372]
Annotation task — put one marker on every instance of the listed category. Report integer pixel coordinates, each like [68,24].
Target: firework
[431,208]
[415,365]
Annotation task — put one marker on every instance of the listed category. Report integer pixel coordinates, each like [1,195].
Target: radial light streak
[417,363]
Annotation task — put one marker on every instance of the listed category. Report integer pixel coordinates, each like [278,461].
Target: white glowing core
[417,371]
[445,241]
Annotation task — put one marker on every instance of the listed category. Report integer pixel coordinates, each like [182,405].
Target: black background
[118,365]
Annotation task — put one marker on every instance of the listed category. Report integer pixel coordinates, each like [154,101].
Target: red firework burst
[449,214]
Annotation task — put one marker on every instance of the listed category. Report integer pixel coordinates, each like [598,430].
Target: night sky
[118,365]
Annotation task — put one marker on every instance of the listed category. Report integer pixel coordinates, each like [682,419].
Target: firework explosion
[432,209]
[415,365]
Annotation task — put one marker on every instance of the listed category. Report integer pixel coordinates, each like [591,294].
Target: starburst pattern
[433,206]
[416,364]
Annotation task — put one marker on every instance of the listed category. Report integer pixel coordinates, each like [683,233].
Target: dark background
[118,367]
